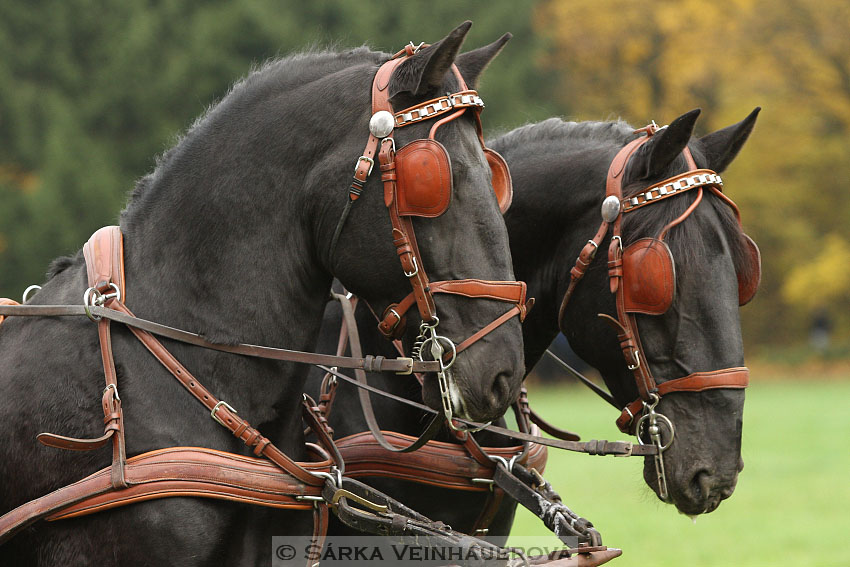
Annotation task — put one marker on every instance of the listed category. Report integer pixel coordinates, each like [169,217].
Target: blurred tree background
[91,91]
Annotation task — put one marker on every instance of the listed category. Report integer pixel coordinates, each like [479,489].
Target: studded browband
[625,323]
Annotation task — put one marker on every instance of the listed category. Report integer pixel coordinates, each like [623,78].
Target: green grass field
[791,506]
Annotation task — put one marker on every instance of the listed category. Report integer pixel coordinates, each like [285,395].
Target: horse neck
[555,210]
[233,266]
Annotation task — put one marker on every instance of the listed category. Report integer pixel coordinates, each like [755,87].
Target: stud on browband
[381,124]
[610,208]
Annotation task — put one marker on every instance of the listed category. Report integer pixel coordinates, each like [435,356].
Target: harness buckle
[366,159]
[415,268]
[348,495]
[636,358]
[409,363]
[215,409]
[115,390]
[628,453]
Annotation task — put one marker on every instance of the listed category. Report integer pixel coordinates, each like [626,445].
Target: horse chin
[481,413]
[694,493]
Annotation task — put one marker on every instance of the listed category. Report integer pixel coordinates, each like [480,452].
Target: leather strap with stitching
[368,363]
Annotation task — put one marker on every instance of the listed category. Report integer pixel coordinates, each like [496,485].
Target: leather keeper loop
[111,417]
[261,445]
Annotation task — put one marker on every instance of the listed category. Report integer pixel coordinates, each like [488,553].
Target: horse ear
[722,147]
[424,72]
[666,145]
[472,63]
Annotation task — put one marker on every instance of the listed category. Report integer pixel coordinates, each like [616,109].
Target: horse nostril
[501,389]
[701,485]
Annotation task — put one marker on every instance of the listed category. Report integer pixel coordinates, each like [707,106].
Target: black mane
[273,78]
[556,129]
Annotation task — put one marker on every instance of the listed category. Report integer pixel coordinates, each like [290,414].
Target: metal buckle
[364,158]
[342,493]
[415,268]
[115,388]
[628,453]
[636,358]
[619,241]
[215,409]
[409,362]
[397,317]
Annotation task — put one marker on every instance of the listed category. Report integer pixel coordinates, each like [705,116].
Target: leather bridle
[641,412]
[393,173]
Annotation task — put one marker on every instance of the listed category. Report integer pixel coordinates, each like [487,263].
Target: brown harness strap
[495,497]
[697,382]
[368,363]
[104,255]
[221,411]
[197,472]
[508,292]
[205,473]
[446,465]
[176,471]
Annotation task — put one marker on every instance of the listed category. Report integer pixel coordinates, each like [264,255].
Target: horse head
[676,275]
[442,186]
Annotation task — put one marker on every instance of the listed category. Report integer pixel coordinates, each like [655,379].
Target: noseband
[648,261]
[418,182]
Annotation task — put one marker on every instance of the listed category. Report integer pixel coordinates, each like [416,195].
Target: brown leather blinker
[424,174]
[748,283]
[501,179]
[649,277]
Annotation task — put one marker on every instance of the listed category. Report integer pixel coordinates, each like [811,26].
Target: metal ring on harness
[655,416]
[27,292]
[92,297]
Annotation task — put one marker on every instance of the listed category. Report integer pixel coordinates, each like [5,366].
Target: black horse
[559,174]
[230,236]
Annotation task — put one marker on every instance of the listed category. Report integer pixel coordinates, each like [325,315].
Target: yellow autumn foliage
[646,60]
[823,281]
